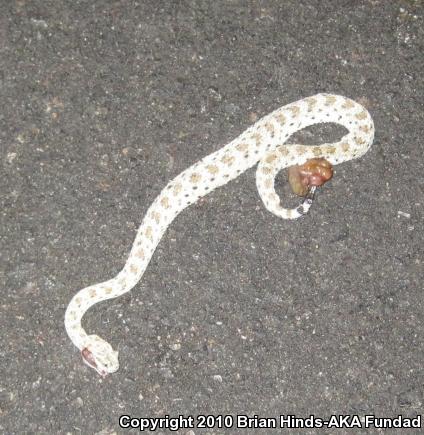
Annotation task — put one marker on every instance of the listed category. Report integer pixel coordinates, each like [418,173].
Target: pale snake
[263,142]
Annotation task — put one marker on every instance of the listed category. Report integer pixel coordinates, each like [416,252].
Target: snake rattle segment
[261,143]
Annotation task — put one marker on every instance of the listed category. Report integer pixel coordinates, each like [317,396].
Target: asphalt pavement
[239,312]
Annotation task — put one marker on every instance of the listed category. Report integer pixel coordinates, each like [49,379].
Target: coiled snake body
[263,142]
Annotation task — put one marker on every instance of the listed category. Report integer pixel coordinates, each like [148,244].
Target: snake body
[261,143]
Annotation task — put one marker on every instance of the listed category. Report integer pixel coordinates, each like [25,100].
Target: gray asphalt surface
[239,312]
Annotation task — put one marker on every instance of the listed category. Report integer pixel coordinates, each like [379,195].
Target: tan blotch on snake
[261,143]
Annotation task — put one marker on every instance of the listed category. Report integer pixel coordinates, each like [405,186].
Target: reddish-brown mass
[315,172]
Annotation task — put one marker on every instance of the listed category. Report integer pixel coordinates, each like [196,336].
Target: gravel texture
[103,102]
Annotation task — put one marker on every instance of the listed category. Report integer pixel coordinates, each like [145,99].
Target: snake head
[99,355]
[314,172]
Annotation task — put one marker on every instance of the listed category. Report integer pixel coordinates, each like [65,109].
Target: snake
[262,144]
